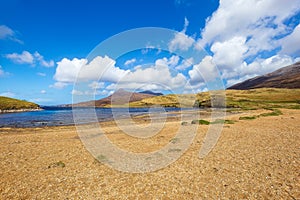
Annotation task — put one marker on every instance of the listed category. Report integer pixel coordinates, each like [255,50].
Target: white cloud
[157,77]
[204,71]
[43,62]
[27,58]
[24,58]
[171,62]
[131,61]
[258,21]
[96,85]
[233,81]
[59,85]
[230,53]
[186,63]
[5,32]
[257,67]
[239,31]
[181,41]
[8,94]
[103,68]
[91,92]
[291,43]
[8,33]
[159,74]
[40,74]
[43,91]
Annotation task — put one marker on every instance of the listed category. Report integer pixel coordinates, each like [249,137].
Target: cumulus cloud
[204,71]
[257,20]
[230,53]
[291,43]
[96,85]
[181,41]
[91,92]
[236,36]
[8,33]
[129,62]
[42,61]
[103,68]
[24,58]
[59,85]
[157,76]
[186,63]
[27,58]
[257,67]
[43,91]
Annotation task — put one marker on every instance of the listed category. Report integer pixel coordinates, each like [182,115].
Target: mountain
[119,97]
[14,105]
[286,77]
[152,93]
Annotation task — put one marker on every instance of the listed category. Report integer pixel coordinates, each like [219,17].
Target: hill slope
[120,97]
[9,104]
[244,99]
[286,77]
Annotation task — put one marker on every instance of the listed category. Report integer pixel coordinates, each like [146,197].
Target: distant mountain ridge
[152,93]
[119,97]
[286,77]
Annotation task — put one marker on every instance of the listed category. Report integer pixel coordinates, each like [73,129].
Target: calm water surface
[56,116]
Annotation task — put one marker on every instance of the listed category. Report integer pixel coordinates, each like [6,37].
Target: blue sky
[43,44]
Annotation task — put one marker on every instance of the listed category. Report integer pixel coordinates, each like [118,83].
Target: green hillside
[7,103]
[244,99]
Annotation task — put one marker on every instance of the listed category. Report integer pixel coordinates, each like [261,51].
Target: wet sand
[253,159]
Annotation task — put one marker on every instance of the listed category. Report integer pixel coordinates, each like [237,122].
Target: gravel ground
[253,159]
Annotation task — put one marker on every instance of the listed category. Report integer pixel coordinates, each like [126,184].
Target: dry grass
[243,99]
[7,103]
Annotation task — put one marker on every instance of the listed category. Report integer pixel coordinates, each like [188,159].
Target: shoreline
[20,110]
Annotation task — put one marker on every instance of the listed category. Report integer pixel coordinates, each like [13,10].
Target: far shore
[20,110]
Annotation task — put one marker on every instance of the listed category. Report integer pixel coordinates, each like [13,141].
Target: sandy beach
[253,159]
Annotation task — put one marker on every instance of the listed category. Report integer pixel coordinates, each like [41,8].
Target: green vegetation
[217,121]
[222,121]
[201,121]
[174,150]
[174,140]
[253,99]
[247,117]
[57,164]
[184,123]
[275,112]
[7,103]
[102,158]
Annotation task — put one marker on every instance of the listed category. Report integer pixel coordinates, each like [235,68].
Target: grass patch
[174,150]
[57,164]
[275,112]
[217,121]
[102,158]
[7,103]
[222,121]
[184,123]
[201,121]
[174,140]
[247,117]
